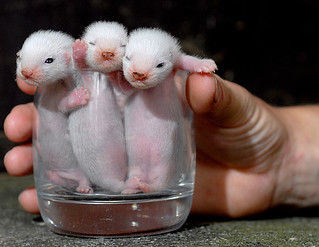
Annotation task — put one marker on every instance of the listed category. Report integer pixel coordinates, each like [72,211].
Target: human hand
[18,161]
[241,144]
[251,156]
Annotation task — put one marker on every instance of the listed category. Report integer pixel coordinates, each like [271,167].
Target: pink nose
[107,55]
[139,76]
[27,73]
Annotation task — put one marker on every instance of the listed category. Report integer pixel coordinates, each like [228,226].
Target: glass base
[99,215]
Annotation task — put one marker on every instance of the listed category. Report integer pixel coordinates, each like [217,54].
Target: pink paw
[84,189]
[79,97]
[56,179]
[206,66]
[134,185]
[79,48]
[130,191]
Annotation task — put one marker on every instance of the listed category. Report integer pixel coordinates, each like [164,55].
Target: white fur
[145,50]
[107,29]
[40,46]
[155,53]
[105,36]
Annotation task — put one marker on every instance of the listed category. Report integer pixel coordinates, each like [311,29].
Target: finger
[222,101]
[29,201]
[18,161]
[225,120]
[18,124]
[26,88]
[233,127]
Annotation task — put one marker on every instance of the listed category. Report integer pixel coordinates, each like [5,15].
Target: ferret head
[150,57]
[106,45]
[45,57]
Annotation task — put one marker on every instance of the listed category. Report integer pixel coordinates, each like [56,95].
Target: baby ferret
[102,48]
[152,54]
[45,61]
[96,130]
[156,142]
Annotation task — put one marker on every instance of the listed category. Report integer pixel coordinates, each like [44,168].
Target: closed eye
[91,43]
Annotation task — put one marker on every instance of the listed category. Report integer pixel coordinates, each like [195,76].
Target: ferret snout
[139,76]
[107,55]
[27,73]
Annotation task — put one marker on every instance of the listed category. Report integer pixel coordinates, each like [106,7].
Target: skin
[226,176]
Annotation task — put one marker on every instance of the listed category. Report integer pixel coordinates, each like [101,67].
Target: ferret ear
[18,53]
[67,57]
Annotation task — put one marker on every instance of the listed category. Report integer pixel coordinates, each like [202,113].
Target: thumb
[233,127]
[26,88]
[225,103]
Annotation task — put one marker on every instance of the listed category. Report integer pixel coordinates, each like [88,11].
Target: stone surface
[18,228]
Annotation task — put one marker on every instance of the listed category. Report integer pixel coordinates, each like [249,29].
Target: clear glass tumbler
[100,170]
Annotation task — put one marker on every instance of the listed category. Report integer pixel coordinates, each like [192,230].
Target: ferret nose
[139,76]
[27,73]
[107,55]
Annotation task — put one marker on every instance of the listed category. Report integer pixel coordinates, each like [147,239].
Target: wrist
[298,176]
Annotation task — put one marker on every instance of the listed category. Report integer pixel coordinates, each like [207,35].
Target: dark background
[269,47]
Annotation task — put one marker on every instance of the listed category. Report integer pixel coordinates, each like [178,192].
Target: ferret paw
[79,48]
[84,189]
[56,179]
[206,66]
[131,191]
[79,97]
[135,185]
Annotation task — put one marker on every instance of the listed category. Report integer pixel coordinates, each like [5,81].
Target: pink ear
[67,57]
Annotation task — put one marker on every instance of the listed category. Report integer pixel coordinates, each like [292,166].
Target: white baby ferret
[96,130]
[45,61]
[102,48]
[152,54]
[154,125]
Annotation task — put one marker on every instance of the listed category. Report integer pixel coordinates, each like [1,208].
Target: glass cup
[98,172]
